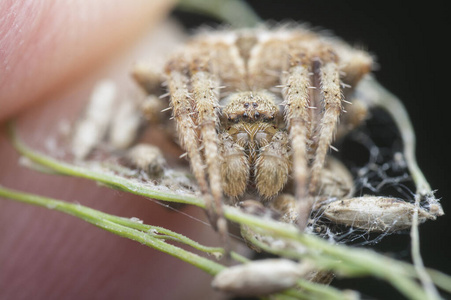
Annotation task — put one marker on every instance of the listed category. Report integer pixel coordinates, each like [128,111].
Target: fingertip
[47,45]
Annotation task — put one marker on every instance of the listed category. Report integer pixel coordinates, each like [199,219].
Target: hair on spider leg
[166,109]
[165,95]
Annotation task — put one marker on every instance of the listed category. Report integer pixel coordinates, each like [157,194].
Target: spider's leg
[296,100]
[234,166]
[205,87]
[273,165]
[154,108]
[182,108]
[330,87]
[355,114]
[355,64]
[267,60]
[147,77]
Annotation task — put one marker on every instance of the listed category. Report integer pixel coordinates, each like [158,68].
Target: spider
[256,111]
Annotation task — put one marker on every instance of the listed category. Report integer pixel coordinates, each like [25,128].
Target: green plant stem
[108,179]
[108,223]
[235,12]
[374,94]
[360,262]
[343,260]
[424,277]
[166,234]
[320,291]
[134,230]
[440,279]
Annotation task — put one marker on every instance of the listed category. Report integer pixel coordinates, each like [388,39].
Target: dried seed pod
[374,213]
[261,277]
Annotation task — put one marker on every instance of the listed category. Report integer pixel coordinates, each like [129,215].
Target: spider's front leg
[235,169]
[194,100]
[151,81]
[205,87]
[297,115]
[273,165]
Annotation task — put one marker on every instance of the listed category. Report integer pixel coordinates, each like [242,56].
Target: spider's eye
[246,105]
[257,114]
[245,115]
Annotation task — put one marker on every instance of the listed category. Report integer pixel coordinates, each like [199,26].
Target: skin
[52,52]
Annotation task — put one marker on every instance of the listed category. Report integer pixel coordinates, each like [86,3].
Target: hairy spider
[257,109]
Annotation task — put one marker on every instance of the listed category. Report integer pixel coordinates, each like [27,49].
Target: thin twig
[425,279]
[371,92]
[137,231]
[376,95]
[234,12]
[108,223]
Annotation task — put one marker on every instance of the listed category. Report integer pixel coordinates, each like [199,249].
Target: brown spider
[255,108]
[256,111]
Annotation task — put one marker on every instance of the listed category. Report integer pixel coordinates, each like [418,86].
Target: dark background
[408,44]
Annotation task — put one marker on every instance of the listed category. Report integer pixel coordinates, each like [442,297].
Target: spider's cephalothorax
[259,107]
[262,149]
